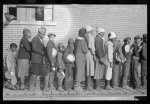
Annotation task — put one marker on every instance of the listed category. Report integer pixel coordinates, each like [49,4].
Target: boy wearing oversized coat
[69,78]
[50,62]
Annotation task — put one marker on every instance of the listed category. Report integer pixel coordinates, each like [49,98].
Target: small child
[69,65]
[10,63]
[61,66]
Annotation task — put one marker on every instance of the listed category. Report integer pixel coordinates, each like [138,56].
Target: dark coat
[49,57]
[24,49]
[99,47]
[80,51]
[37,50]
[143,53]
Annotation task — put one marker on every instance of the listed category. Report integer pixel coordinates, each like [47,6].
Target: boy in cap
[143,59]
[69,65]
[136,47]
[89,38]
[24,57]
[126,65]
[50,62]
[10,61]
[37,54]
[100,54]
[60,65]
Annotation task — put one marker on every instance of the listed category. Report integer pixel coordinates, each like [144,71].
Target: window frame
[45,23]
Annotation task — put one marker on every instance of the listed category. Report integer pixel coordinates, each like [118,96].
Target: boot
[37,83]
[51,81]
[60,84]
[46,80]
[97,87]
[89,86]
[32,82]
[78,87]
[107,85]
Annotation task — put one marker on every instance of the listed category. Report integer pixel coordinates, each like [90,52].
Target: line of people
[86,59]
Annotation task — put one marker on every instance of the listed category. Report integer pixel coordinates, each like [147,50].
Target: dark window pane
[39,14]
[13,11]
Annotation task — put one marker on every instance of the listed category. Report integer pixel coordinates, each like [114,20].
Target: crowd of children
[86,59]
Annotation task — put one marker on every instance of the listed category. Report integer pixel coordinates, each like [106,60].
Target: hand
[94,58]
[111,64]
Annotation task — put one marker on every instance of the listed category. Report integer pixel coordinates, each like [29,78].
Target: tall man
[37,53]
[101,59]
[143,59]
[89,56]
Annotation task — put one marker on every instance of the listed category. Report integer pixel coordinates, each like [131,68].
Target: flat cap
[145,35]
[51,34]
[126,39]
[137,37]
[60,45]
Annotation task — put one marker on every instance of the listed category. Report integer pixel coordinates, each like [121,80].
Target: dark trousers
[134,73]
[115,75]
[144,73]
[125,72]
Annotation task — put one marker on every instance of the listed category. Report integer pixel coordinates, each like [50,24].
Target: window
[31,13]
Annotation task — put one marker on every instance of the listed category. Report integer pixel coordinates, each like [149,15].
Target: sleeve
[120,50]
[49,53]
[135,50]
[26,45]
[84,47]
[65,56]
[59,56]
[35,49]
[110,52]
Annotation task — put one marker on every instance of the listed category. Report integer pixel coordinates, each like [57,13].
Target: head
[138,39]
[27,33]
[61,46]
[42,32]
[51,36]
[89,29]
[112,36]
[101,32]
[71,43]
[13,47]
[145,37]
[82,32]
[127,40]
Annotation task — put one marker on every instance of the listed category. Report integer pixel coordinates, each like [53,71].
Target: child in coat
[10,62]
[69,64]
[60,65]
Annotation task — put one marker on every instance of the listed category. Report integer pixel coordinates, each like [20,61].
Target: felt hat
[137,37]
[51,34]
[100,30]
[60,45]
[82,32]
[88,28]
[42,30]
[112,35]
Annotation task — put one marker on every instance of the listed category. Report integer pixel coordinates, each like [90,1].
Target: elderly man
[37,54]
[100,54]
[89,56]
[50,62]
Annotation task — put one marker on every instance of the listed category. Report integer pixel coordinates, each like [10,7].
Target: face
[61,48]
[13,49]
[102,34]
[29,35]
[138,41]
[42,35]
[72,46]
[52,38]
[129,41]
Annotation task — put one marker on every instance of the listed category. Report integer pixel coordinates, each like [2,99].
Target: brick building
[66,20]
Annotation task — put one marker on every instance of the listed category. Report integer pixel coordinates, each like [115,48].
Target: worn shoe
[97,88]
[60,89]
[78,88]
[126,87]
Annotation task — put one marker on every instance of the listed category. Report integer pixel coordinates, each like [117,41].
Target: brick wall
[124,20]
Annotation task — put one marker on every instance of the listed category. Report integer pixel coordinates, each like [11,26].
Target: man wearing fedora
[37,54]
[50,55]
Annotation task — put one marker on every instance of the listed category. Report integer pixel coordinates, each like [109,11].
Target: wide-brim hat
[9,75]
[112,35]
[60,74]
[42,30]
[100,30]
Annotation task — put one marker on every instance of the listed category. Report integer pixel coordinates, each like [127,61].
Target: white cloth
[113,35]
[100,30]
[88,28]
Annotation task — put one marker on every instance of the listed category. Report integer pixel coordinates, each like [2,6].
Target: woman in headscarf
[80,54]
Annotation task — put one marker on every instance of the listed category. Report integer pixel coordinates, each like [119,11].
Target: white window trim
[45,23]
